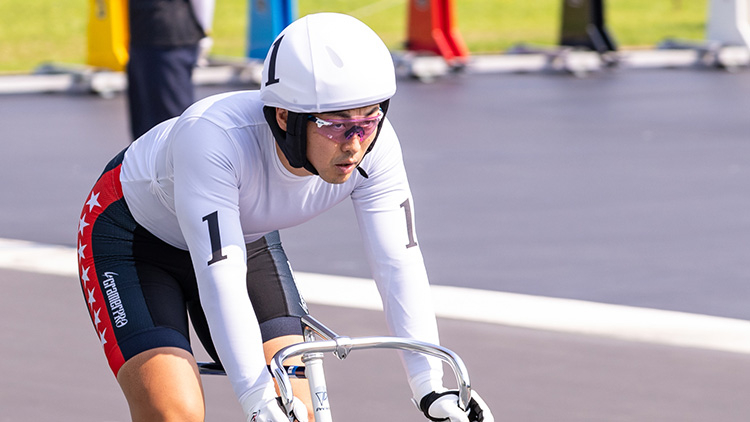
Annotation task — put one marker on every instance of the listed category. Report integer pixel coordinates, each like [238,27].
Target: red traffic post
[431,27]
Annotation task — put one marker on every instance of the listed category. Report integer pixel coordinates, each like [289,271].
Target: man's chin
[335,179]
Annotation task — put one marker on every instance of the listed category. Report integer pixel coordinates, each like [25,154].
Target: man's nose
[352,144]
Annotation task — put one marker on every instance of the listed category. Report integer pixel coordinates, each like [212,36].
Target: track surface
[626,187]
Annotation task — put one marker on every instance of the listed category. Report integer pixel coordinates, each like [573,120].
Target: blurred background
[32,32]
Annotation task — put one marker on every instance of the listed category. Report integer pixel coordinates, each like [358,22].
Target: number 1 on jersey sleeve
[406,205]
[213,233]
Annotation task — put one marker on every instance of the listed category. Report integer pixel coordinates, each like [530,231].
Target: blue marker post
[267,19]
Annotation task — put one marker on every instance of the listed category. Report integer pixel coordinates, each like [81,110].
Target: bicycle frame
[312,352]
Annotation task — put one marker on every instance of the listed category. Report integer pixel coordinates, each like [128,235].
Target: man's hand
[267,408]
[204,50]
[443,407]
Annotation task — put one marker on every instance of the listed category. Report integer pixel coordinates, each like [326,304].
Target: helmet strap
[383,106]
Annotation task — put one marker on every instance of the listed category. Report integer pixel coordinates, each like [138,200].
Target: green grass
[37,31]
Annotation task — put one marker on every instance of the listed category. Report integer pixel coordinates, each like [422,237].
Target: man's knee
[163,385]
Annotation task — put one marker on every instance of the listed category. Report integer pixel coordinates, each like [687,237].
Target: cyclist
[185,221]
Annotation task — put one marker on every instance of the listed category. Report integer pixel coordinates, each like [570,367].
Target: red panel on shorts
[106,191]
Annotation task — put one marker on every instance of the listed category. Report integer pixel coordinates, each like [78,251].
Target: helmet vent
[334,57]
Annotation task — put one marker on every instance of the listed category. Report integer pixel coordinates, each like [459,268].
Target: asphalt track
[625,187]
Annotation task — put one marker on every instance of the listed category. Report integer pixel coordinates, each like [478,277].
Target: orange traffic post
[108,34]
[431,27]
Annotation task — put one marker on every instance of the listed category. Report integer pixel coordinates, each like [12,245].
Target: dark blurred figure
[164,47]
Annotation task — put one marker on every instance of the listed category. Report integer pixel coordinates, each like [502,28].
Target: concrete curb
[511,309]
[82,79]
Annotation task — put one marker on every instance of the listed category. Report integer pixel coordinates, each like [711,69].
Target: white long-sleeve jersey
[211,181]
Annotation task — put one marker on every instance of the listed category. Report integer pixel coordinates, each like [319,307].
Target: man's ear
[281,116]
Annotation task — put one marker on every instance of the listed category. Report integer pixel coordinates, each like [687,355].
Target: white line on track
[563,315]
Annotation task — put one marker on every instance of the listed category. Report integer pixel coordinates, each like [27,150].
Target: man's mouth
[347,166]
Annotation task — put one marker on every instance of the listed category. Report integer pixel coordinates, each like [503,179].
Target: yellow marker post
[108,34]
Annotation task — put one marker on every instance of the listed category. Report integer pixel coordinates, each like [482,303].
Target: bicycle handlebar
[341,346]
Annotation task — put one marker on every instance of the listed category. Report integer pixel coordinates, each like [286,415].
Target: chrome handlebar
[341,346]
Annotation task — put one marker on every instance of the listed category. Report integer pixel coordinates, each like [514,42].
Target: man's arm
[207,205]
[386,214]
[204,13]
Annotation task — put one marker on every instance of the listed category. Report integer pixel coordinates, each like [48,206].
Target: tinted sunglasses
[342,130]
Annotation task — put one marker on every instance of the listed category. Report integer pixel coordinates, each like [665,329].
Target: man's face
[335,150]
[336,141]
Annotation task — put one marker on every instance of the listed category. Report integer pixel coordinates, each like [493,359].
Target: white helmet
[327,62]
[320,63]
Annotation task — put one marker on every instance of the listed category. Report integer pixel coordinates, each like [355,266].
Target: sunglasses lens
[343,130]
[356,130]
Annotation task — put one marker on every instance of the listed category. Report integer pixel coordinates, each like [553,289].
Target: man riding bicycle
[185,222]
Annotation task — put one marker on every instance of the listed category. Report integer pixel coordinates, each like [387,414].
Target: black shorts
[140,290]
